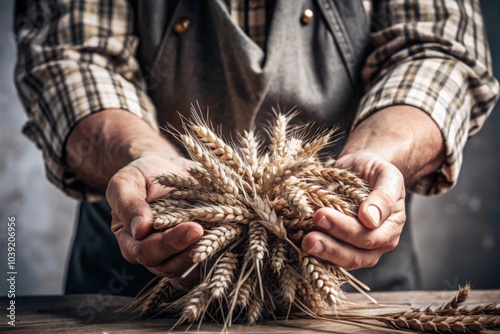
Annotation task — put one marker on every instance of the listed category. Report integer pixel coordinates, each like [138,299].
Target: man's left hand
[356,243]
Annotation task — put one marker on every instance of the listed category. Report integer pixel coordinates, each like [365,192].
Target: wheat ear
[196,304]
[178,181]
[224,177]
[223,275]
[214,240]
[322,280]
[278,256]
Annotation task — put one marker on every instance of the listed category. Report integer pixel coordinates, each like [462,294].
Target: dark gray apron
[315,67]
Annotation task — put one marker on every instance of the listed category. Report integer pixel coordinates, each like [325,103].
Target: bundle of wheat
[256,203]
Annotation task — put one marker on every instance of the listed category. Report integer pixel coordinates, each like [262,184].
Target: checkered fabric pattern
[78,59]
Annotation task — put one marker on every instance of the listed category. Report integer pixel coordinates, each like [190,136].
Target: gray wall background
[457,234]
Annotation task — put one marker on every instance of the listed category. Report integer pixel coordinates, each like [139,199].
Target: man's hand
[129,192]
[352,243]
[129,154]
[390,149]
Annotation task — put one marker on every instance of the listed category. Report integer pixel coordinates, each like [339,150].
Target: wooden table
[96,314]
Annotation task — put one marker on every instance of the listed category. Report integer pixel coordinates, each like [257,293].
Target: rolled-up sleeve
[432,55]
[75,58]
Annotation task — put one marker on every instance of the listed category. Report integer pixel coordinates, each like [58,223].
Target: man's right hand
[124,163]
[129,192]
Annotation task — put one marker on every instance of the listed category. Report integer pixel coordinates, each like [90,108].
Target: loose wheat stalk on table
[255,202]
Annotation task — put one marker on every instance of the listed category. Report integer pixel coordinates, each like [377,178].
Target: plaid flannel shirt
[79,59]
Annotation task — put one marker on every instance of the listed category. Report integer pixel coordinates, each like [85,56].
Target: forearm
[404,136]
[102,143]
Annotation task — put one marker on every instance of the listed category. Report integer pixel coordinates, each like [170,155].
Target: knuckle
[173,240]
[127,256]
[368,243]
[392,245]
[116,227]
[126,251]
[165,271]
[371,262]
[118,184]
[119,206]
[354,262]
[113,184]
[187,257]
[143,257]
[133,252]
[386,198]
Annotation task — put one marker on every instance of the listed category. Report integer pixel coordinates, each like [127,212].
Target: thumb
[386,181]
[126,195]
[374,210]
[382,201]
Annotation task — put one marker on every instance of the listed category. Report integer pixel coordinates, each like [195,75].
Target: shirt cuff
[109,91]
[437,87]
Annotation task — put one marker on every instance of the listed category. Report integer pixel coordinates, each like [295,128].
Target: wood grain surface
[97,314]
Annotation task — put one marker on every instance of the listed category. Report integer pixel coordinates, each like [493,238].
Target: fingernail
[324,223]
[374,214]
[135,223]
[317,248]
[192,234]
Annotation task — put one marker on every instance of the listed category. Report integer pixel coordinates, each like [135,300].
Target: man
[92,74]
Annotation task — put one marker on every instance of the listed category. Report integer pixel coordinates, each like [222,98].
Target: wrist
[405,136]
[104,142]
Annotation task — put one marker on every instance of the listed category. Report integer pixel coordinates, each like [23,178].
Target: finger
[173,258]
[350,231]
[160,247]
[125,240]
[339,253]
[126,194]
[177,265]
[157,247]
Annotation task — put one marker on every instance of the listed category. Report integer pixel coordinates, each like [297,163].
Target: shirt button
[182,25]
[307,16]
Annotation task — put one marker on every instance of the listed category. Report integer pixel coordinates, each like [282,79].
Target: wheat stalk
[204,196]
[321,197]
[240,195]
[254,310]
[298,199]
[249,146]
[215,240]
[450,317]
[277,131]
[352,194]
[308,297]
[322,280]
[288,284]
[276,173]
[164,221]
[162,206]
[245,293]
[174,180]
[330,175]
[195,305]
[224,274]
[256,203]
[221,214]
[222,175]
[222,150]
[278,256]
